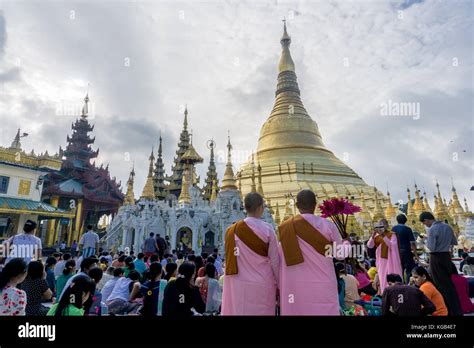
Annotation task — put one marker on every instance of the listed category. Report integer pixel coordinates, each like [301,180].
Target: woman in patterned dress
[12,299]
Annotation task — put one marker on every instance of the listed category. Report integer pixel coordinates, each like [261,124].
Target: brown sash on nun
[298,226]
[379,241]
[248,237]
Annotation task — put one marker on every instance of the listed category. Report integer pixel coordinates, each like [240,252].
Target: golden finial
[149,189]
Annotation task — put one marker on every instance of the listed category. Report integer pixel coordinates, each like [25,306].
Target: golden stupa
[291,154]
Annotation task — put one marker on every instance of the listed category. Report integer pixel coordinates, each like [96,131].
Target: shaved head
[306,201]
[252,202]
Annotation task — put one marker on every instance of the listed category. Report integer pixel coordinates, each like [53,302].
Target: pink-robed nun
[387,254]
[308,284]
[251,264]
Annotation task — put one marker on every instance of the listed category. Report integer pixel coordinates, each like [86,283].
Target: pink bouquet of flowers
[338,210]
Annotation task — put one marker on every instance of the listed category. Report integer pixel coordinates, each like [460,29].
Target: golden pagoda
[149,189]
[291,151]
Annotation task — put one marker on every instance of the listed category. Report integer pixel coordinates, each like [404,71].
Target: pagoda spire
[85,108]
[259,177]
[148,189]
[410,212]
[418,205]
[466,208]
[456,205]
[286,62]
[16,144]
[130,196]
[78,152]
[159,174]
[211,175]
[426,205]
[175,180]
[228,182]
[440,212]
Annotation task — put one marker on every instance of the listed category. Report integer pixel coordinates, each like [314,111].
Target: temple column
[78,225]
[50,233]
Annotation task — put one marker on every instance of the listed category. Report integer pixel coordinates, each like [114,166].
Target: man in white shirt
[89,242]
[25,245]
[109,286]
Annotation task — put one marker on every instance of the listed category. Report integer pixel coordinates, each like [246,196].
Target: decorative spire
[159,174]
[228,183]
[185,197]
[456,205]
[260,188]
[16,144]
[466,208]
[253,187]
[148,189]
[175,180]
[410,212]
[85,108]
[440,211]
[286,62]
[185,123]
[426,205]
[418,205]
[211,175]
[130,196]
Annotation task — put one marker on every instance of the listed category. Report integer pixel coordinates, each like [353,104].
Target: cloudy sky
[142,61]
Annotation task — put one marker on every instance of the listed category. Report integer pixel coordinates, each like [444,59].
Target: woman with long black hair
[37,289]
[153,291]
[12,299]
[423,281]
[76,299]
[182,298]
